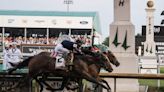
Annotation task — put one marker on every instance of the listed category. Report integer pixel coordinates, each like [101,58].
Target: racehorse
[43,63]
[95,69]
[112,58]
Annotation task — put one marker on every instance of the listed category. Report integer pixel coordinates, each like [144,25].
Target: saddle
[63,61]
[69,60]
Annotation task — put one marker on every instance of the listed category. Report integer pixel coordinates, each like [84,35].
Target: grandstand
[44,27]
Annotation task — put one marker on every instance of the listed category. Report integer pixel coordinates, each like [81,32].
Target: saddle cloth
[60,62]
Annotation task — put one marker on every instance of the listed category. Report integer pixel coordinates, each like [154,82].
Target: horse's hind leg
[80,86]
[23,81]
[64,83]
[96,86]
[45,83]
[44,77]
[40,84]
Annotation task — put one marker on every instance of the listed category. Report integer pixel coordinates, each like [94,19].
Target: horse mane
[90,57]
[88,51]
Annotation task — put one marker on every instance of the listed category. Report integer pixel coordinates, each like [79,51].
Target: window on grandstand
[81,31]
[14,32]
[53,32]
[36,32]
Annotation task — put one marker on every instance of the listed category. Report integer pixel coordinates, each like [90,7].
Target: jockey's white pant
[60,62]
[61,50]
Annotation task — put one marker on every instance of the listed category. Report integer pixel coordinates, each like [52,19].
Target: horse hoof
[109,90]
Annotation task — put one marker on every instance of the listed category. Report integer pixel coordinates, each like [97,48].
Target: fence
[131,76]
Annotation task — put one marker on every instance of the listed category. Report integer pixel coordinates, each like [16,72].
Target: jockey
[64,48]
[16,55]
[95,49]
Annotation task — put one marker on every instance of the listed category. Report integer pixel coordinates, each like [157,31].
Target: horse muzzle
[109,70]
[117,64]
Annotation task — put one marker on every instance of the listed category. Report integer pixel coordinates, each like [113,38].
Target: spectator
[7,57]
[16,54]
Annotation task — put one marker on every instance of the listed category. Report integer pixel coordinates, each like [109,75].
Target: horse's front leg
[43,80]
[104,81]
[19,84]
[80,85]
[64,83]
[89,77]
[40,84]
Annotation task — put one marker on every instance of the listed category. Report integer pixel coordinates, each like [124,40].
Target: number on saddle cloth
[60,62]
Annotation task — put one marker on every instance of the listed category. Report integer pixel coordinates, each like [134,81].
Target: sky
[103,7]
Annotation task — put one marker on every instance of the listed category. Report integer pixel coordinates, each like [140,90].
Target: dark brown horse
[95,69]
[112,58]
[42,63]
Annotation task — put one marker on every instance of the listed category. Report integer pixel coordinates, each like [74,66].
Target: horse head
[104,62]
[112,58]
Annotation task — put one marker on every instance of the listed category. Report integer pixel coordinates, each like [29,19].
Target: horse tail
[24,63]
[21,65]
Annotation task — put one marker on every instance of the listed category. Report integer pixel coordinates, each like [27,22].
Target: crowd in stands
[43,40]
[13,55]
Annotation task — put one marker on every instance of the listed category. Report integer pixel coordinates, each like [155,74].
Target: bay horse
[43,63]
[112,58]
[95,69]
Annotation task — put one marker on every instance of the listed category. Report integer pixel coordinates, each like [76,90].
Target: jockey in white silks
[16,55]
[64,48]
[7,57]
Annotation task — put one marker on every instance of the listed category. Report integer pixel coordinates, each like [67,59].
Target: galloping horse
[95,69]
[112,58]
[42,63]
